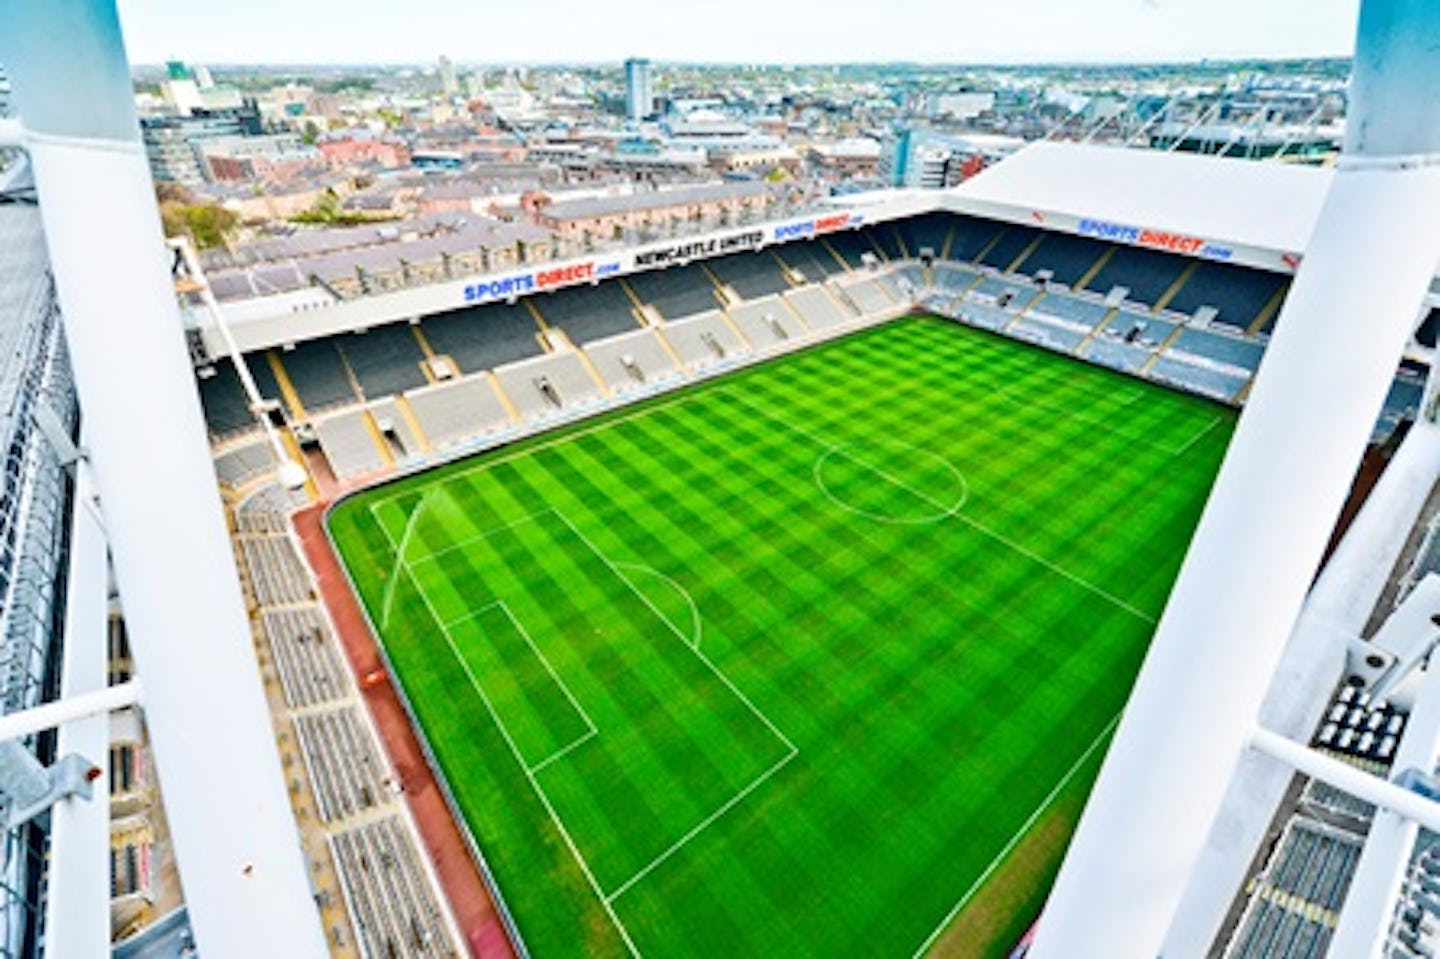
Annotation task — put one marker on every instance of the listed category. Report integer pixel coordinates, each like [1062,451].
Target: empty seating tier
[386,360]
[676,292]
[752,275]
[632,361]
[350,445]
[275,572]
[852,245]
[307,663]
[1068,258]
[244,462]
[318,374]
[346,771]
[868,298]
[813,261]
[927,231]
[451,413]
[226,409]
[1219,348]
[1237,293]
[391,903]
[545,385]
[1011,244]
[766,322]
[883,237]
[588,312]
[1148,274]
[705,340]
[970,237]
[484,337]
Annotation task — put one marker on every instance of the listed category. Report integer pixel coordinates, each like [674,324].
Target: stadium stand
[851,246]
[1116,354]
[969,237]
[817,307]
[766,322]
[677,291]
[883,237]
[898,287]
[388,890]
[928,230]
[241,462]
[1219,348]
[982,314]
[1084,314]
[1139,328]
[869,299]
[1012,243]
[706,340]
[632,361]
[953,278]
[318,373]
[1068,258]
[1407,392]
[544,385]
[458,411]
[1306,879]
[226,410]
[395,427]
[1049,335]
[588,312]
[276,575]
[1148,274]
[1237,293]
[1015,294]
[386,359]
[306,664]
[394,911]
[349,444]
[483,337]
[752,275]
[1221,384]
[347,773]
[812,260]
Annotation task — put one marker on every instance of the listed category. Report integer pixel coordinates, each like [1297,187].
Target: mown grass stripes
[879,694]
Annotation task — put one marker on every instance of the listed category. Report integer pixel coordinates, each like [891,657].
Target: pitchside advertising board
[538,280]
[1154,239]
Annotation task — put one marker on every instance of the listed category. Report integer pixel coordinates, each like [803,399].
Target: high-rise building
[448,78]
[639,94]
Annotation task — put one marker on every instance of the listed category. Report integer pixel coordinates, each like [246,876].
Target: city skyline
[748,31]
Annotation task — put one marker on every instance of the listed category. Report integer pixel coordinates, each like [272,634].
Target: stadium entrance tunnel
[887,481]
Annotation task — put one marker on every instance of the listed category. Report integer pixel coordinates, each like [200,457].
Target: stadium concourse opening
[816,658]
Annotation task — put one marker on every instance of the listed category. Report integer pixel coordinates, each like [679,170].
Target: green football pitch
[815,659]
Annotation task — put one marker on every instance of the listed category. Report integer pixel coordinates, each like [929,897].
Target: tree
[206,224]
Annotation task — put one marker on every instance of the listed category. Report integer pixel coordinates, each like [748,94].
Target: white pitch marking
[1015,839]
[973,524]
[529,774]
[696,625]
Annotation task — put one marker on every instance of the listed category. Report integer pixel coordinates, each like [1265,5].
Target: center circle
[891,482]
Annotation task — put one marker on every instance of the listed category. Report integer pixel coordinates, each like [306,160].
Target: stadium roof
[1269,206]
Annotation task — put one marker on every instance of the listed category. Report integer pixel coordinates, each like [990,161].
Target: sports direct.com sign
[538,280]
[1155,239]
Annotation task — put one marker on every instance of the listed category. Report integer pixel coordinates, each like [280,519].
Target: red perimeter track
[469,898]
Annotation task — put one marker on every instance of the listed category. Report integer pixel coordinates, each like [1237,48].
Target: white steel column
[1322,382]
[77,921]
[236,843]
[1335,612]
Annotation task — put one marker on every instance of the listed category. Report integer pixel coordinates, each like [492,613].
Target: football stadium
[1047,562]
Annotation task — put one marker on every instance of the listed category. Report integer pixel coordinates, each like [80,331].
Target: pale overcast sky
[787,31]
